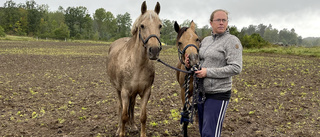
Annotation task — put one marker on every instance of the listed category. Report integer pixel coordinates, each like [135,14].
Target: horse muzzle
[153,52]
[194,59]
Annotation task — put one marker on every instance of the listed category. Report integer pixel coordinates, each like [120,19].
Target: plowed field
[62,89]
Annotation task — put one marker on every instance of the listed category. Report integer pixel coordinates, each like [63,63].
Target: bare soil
[62,89]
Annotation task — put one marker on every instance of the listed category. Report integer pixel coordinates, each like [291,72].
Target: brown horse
[130,67]
[188,43]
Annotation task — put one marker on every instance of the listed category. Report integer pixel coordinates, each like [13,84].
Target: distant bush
[2,34]
[62,32]
[253,41]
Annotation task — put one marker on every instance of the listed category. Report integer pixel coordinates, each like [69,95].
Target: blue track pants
[211,115]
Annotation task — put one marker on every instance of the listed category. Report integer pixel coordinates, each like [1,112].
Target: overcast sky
[302,15]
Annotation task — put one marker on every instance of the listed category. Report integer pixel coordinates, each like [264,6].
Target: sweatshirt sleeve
[233,58]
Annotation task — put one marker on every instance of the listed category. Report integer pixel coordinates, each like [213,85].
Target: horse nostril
[154,50]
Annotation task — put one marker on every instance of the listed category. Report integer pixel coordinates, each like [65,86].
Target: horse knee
[143,118]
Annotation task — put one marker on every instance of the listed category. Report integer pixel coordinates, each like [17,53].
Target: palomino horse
[130,68]
[188,43]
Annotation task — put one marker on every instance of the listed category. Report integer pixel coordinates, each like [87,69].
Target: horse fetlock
[124,118]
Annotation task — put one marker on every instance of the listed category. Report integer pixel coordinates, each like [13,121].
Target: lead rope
[190,106]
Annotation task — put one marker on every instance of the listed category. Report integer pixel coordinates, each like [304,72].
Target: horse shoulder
[119,44]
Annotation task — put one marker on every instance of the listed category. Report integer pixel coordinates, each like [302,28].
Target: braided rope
[189,106]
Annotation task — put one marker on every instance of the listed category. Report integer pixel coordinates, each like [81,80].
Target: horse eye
[179,43]
[142,26]
[160,26]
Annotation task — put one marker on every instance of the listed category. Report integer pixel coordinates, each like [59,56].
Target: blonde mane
[135,26]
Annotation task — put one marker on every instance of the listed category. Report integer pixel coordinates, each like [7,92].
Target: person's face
[219,23]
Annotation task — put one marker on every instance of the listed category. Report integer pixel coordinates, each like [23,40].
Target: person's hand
[186,61]
[201,73]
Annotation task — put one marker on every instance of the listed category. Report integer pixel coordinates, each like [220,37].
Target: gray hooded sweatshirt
[221,54]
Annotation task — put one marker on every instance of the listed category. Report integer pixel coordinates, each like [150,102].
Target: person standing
[220,59]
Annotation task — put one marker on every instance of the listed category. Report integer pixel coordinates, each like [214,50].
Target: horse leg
[143,116]
[124,111]
[119,112]
[131,113]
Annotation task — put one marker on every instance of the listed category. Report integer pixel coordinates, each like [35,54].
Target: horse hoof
[134,128]
[143,135]
[118,132]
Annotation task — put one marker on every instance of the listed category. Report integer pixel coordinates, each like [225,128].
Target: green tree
[234,31]
[271,34]
[253,41]
[44,29]
[106,24]
[111,25]
[55,18]
[35,13]
[99,17]
[168,34]
[87,27]
[293,37]
[76,18]
[261,29]
[62,32]
[18,29]
[185,23]
[249,30]
[10,16]
[124,25]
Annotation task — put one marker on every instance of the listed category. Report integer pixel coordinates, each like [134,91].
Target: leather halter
[147,39]
[181,53]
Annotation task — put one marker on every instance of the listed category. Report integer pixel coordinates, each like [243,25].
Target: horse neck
[139,51]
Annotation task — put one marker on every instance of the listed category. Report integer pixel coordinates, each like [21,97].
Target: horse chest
[140,80]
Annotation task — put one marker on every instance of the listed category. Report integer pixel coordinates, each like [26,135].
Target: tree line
[31,19]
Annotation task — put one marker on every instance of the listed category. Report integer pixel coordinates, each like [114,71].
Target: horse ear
[143,8]
[193,26]
[157,8]
[176,27]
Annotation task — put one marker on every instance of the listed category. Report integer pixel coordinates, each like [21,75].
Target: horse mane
[135,26]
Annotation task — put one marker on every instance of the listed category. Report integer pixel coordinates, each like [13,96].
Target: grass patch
[26,38]
[304,51]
